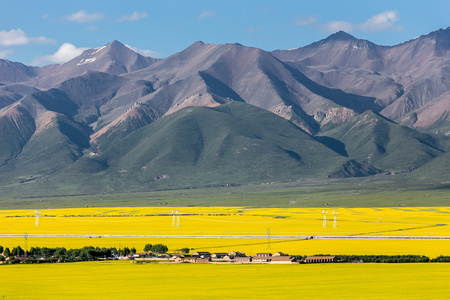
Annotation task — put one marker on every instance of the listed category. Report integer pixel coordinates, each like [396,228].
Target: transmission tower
[268,238]
[335,213]
[178,220]
[173,218]
[324,223]
[26,242]
[37,214]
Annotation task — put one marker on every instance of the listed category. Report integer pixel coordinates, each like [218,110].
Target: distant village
[229,258]
[159,254]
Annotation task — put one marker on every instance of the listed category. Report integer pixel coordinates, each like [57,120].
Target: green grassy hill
[384,144]
[16,128]
[48,150]
[436,171]
[234,143]
[231,144]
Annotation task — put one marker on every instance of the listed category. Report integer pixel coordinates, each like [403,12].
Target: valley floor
[362,231]
[358,231]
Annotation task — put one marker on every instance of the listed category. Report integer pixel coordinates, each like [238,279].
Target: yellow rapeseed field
[231,221]
[123,280]
[430,248]
[417,221]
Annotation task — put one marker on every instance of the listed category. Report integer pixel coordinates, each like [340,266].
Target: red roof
[282,258]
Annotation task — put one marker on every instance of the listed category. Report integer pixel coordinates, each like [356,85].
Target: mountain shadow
[217,87]
[358,103]
[333,144]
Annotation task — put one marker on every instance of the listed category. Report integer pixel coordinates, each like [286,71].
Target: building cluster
[233,257]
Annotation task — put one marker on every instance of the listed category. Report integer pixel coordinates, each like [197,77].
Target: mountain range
[113,120]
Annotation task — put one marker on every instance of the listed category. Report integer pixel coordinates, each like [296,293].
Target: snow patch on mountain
[99,49]
[86,61]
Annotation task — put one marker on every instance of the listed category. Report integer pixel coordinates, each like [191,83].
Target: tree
[133,250]
[33,251]
[185,250]
[1,249]
[6,252]
[126,251]
[45,251]
[148,248]
[17,251]
[85,254]
[60,252]
[159,248]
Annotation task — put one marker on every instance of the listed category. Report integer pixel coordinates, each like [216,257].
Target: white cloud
[334,26]
[206,14]
[133,17]
[16,37]
[383,21]
[150,53]
[308,21]
[83,17]
[5,53]
[65,53]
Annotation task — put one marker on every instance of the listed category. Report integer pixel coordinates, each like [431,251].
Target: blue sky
[53,31]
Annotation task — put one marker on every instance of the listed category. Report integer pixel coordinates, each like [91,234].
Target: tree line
[61,254]
[158,248]
[384,258]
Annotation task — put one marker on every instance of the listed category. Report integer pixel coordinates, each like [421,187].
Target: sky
[55,31]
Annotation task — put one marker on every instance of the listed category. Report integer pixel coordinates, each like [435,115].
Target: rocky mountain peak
[340,35]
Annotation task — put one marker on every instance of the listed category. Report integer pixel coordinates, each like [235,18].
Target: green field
[377,191]
[124,280]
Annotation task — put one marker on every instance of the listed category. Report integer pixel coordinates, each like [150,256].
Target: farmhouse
[263,254]
[233,254]
[242,259]
[262,258]
[218,255]
[190,259]
[201,254]
[282,260]
[178,259]
[141,255]
[320,259]
[202,260]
